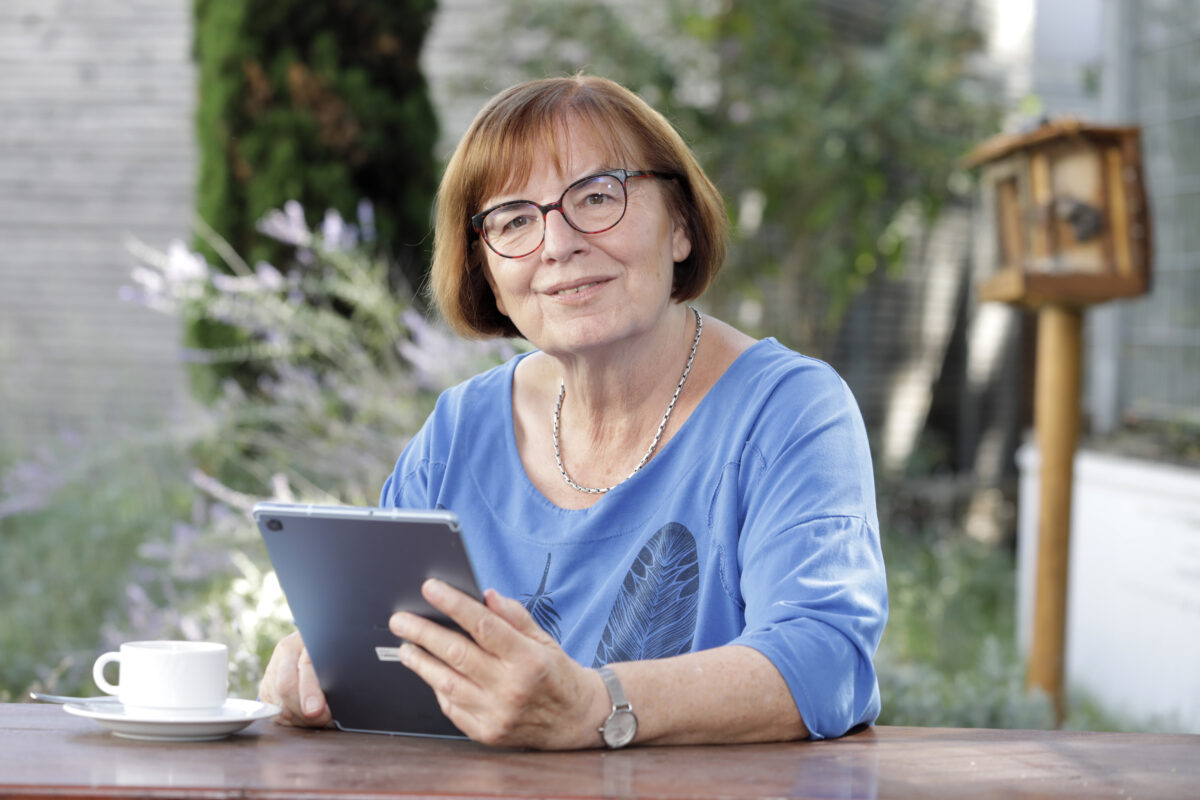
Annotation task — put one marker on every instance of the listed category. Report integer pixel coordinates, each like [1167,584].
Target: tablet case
[345,571]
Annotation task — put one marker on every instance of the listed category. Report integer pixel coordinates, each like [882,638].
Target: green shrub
[948,656]
[154,540]
[71,523]
[990,693]
[320,103]
[348,370]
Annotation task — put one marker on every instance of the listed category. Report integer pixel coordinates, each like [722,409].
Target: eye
[518,222]
[599,191]
[509,220]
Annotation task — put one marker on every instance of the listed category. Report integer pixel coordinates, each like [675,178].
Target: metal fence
[1157,373]
[1163,353]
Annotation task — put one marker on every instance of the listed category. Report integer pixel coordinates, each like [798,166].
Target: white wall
[95,143]
[1133,604]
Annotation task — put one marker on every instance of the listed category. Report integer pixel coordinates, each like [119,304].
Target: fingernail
[312,704]
[405,653]
[398,625]
[434,588]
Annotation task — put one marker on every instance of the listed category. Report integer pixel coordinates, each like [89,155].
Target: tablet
[345,571]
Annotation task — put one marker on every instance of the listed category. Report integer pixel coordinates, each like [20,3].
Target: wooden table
[46,752]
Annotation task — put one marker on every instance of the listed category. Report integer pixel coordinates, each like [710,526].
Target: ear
[681,243]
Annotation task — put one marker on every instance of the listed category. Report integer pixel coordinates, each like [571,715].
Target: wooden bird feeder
[1071,221]
[1071,229]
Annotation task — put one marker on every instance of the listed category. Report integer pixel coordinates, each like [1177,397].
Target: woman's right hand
[290,682]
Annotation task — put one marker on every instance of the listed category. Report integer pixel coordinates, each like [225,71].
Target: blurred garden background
[216,225]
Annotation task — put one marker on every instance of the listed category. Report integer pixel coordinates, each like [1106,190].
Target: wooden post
[1056,418]
[1072,229]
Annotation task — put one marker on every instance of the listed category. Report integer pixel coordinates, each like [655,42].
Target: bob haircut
[524,124]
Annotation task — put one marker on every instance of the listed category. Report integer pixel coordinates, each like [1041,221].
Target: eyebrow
[597,171]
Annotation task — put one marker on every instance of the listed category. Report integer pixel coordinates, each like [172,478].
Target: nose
[561,240]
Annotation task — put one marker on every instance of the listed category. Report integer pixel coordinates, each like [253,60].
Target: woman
[649,489]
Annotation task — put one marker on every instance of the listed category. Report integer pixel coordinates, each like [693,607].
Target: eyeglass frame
[622,176]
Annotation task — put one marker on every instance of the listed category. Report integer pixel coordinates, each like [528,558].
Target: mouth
[577,288]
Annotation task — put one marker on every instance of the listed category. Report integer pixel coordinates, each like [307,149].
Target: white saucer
[231,718]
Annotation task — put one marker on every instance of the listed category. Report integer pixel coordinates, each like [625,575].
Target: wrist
[594,707]
[621,724]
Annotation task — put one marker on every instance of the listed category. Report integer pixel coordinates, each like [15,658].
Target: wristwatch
[621,726]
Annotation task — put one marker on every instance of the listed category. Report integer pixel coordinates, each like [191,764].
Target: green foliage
[154,539]
[830,152]
[1173,440]
[946,589]
[320,103]
[71,524]
[990,694]
[947,657]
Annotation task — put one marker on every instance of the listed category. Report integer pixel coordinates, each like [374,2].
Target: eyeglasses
[593,204]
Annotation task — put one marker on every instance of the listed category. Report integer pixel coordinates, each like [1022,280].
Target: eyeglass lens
[591,205]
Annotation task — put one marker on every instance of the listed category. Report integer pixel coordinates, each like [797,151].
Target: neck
[626,379]
[610,432]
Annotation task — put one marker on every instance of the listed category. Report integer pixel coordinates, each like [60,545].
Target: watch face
[620,728]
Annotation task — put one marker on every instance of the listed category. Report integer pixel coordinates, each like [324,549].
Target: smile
[577,289]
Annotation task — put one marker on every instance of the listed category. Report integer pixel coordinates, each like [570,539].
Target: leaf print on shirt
[654,615]
[540,606]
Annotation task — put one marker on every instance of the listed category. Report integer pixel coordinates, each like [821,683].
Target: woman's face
[582,291]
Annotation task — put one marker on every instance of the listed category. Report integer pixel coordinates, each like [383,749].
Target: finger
[266,686]
[489,631]
[312,699]
[455,693]
[453,649]
[515,614]
[279,685]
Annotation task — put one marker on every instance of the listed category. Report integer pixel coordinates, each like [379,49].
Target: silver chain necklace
[562,392]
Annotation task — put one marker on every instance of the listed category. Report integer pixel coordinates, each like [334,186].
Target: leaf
[654,615]
[540,606]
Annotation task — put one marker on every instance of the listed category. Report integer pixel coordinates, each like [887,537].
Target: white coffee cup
[168,678]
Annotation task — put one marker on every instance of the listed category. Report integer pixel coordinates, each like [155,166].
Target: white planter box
[1133,605]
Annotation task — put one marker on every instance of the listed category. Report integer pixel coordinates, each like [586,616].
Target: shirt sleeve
[812,575]
[416,479]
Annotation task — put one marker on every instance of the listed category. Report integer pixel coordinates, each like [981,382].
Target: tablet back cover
[344,572]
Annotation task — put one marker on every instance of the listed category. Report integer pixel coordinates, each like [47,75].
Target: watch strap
[616,692]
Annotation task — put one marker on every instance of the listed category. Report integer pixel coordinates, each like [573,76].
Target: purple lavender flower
[287,226]
[183,265]
[269,278]
[366,220]
[336,235]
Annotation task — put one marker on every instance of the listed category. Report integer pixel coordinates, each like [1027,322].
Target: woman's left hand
[508,683]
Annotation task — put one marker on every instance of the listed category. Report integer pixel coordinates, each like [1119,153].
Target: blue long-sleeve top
[754,525]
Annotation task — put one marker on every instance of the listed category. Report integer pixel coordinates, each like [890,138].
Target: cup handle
[98,672]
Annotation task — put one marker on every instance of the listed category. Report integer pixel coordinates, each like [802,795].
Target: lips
[575,287]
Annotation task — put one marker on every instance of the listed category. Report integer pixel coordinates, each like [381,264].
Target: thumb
[312,699]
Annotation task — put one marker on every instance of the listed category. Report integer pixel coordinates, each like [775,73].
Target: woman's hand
[290,682]
[508,683]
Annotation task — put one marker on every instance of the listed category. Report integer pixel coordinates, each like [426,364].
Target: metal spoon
[60,698]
